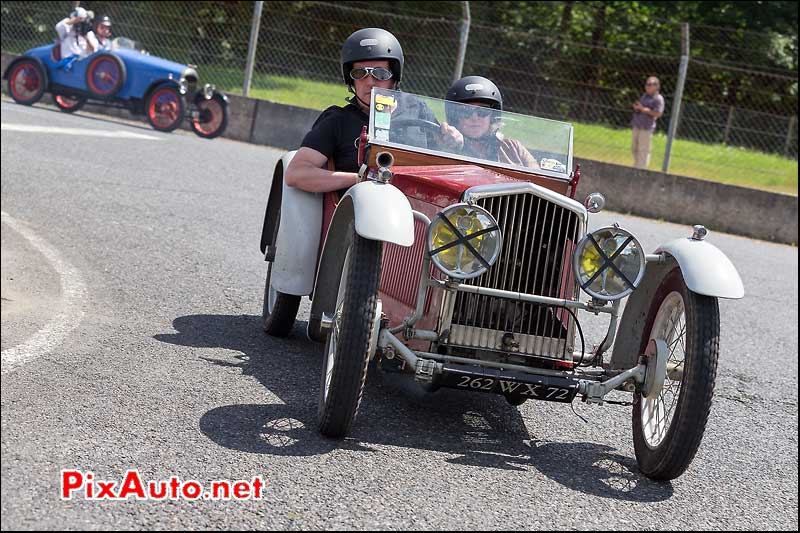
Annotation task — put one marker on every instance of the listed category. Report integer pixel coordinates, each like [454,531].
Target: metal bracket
[425,370]
[594,391]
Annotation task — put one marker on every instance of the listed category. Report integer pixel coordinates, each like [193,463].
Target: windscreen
[472,133]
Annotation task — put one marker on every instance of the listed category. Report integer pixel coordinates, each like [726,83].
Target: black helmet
[473,89]
[105,19]
[368,44]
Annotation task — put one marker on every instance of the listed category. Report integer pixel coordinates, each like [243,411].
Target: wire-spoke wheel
[344,368]
[668,427]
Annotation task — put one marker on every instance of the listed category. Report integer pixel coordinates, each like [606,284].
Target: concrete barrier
[721,207]
[728,208]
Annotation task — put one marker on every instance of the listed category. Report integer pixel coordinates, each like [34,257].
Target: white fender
[705,268]
[298,239]
[382,213]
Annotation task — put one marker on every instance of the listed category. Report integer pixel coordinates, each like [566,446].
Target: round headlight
[609,263]
[464,241]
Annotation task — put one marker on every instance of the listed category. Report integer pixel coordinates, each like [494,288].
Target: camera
[85,26]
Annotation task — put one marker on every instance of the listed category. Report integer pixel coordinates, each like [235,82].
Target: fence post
[792,124]
[676,105]
[728,126]
[462,40]
[251,47]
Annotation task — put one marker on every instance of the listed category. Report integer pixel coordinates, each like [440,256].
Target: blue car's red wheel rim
[165,108]
[25,82]
[67,101]
[105,76]
[211,116]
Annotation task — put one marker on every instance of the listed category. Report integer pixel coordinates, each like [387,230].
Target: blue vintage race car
[126,77]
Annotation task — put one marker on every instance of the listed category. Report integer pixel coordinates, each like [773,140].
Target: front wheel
[668,427]
[165,108]
[69,104]
[344,368]
[212,116]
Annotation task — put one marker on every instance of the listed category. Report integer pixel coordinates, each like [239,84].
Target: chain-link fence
[731,107]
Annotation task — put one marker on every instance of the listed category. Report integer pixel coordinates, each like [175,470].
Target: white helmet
[80,13]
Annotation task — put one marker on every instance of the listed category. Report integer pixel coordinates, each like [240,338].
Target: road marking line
[77,131]
[56,331]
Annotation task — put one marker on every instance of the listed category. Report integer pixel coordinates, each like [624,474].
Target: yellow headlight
[464,241]
[609,263]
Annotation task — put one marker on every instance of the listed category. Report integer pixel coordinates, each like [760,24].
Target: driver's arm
[307,172]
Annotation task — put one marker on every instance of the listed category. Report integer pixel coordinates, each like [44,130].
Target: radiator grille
[539,238]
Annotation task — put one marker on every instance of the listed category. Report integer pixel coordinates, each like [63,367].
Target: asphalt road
[168,372]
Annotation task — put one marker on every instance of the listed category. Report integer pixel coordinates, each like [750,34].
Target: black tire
[280,320]
[69,103]
[515,400]
[165,107]
[215,111]
[347,345]
[27,80]
[114,67]
[664,450]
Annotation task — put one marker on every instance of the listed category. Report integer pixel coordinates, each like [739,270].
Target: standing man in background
[646,111]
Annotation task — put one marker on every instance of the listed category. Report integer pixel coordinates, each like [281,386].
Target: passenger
[74,32]
[371,57]
[474,131]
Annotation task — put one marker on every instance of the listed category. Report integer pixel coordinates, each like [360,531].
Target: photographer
[76,35]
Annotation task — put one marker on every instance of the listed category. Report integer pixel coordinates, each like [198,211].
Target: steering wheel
[411,122]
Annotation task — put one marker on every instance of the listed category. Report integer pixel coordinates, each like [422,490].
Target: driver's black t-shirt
[335,135]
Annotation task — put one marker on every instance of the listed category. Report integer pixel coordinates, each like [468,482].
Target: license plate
[517,384]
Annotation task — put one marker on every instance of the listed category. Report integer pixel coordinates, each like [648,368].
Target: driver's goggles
[379,73]
[466,111]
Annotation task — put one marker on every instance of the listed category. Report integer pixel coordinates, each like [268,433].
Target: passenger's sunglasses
[651,83]
[464,112]
[379,73]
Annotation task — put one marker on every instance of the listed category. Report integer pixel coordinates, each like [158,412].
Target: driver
[371,57]
[102,33]
[474,131]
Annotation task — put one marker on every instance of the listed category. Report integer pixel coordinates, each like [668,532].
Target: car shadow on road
[479,430]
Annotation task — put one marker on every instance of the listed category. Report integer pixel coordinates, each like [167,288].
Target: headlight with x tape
[609,263]
[464,241]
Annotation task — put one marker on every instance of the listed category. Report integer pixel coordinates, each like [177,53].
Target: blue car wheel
[212,116]
[165,108]
[27,81]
